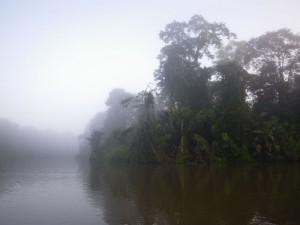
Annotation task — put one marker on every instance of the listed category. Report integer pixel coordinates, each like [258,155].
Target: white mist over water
[60,59]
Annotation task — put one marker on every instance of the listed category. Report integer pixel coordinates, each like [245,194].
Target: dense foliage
[216,99]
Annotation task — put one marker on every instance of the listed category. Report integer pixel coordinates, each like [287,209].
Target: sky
[59,59]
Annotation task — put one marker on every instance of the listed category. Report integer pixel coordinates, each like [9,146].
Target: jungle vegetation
[215,100]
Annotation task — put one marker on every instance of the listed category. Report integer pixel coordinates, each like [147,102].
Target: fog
[142,112]
[28,143]
[60,59]
[104,123]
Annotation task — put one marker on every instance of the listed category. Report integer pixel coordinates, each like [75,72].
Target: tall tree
[277,63]
[232,98]
[181,75]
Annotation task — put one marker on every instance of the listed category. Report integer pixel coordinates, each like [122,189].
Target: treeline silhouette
[215,99]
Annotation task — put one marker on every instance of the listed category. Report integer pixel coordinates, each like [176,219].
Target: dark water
[58,193]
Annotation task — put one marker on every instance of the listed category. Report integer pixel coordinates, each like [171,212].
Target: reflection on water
[59,193]
[238,194]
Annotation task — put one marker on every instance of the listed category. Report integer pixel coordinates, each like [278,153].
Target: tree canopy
[216,99]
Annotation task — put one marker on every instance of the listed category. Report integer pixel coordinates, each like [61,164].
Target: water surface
[64,193]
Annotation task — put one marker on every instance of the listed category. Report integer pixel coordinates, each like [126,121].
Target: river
[64,193]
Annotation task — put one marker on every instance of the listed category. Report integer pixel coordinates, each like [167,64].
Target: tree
[277,63]
[240,52]
[146,140]
[232,99]
[181,76]
[117,115]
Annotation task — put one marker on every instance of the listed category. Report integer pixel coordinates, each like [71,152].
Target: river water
[64,193]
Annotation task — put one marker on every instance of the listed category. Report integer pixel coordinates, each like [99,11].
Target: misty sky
[59,59]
